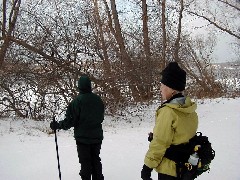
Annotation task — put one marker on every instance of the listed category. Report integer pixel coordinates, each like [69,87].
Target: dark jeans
[90,161]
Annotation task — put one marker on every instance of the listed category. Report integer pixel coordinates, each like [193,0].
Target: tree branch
[215,24]
[226,2]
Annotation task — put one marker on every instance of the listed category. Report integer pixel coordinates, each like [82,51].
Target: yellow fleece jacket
[176,123]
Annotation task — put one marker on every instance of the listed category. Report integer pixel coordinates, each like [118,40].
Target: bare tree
[135,83]
[177,42]
[7,30]
[110,81]
[47,45]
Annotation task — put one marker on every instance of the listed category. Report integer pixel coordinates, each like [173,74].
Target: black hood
[84,84]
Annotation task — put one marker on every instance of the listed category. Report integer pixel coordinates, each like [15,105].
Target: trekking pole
[59,171]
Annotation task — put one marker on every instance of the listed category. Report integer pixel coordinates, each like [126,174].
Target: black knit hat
[174,77]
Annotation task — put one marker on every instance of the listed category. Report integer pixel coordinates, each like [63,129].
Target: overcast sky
[225,49]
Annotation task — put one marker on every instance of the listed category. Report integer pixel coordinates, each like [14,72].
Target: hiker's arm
[162,138]
[68,122]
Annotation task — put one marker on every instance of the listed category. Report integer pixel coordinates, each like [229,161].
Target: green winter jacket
[176,123]
[85,113]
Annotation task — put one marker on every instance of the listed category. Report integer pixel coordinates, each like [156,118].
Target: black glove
[54,125]
[146,173]
[150,136]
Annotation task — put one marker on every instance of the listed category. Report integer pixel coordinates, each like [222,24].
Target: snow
[27,149]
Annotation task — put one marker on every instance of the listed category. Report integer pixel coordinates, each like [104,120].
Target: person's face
[166,92]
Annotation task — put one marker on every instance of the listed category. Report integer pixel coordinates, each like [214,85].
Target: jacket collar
[173,99]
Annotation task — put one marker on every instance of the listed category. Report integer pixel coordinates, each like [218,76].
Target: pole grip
[54,120]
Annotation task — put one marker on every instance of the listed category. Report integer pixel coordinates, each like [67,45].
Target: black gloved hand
[54,125]
[150,136]
[146,173]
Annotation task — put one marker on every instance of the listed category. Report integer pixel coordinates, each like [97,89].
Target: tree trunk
[164,42]
[146,45]
[7,33]
[177,42]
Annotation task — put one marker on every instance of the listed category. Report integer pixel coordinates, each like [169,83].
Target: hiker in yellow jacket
[176,123]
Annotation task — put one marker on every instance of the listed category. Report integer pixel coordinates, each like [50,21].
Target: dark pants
[90,161]
[166,177]
[187,175]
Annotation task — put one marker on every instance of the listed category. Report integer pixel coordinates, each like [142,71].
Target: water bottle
[193,159]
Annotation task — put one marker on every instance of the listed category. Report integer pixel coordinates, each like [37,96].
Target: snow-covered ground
[27,151]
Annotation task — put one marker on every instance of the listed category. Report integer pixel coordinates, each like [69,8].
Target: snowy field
[27,151]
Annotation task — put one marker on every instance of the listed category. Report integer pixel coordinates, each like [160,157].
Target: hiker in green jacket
[86,113]
[176,123]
